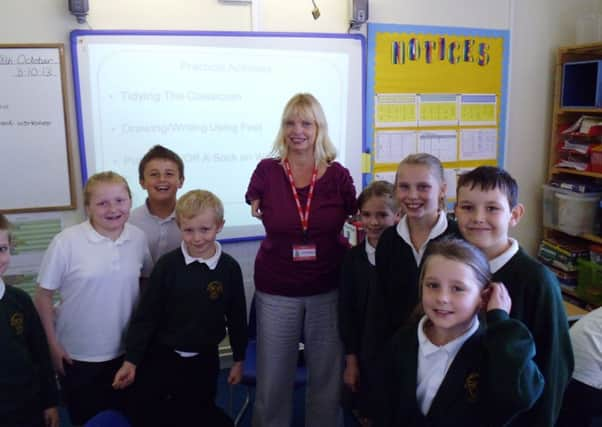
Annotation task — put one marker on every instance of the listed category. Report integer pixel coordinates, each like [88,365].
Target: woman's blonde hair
[108,177]
[306,107]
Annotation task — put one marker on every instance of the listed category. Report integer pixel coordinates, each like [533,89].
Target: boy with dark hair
[28,392]
[161,174]
[486,208]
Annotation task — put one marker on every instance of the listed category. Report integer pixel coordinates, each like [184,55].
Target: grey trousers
[280,324]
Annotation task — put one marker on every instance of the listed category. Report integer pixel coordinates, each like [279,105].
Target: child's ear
[141,181]
[181,180]
[516,214]
[220,225]
[485,294]
[443,193]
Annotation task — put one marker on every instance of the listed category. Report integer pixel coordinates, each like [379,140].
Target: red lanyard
[304,216]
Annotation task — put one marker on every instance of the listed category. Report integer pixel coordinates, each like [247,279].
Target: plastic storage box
[577,212]
[570,211]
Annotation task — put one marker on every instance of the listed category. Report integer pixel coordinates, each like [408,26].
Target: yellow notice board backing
[436,90]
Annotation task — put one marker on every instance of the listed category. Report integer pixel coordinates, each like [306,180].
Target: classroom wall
[537,28]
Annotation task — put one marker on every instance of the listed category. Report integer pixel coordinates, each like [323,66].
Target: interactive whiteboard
[214,98]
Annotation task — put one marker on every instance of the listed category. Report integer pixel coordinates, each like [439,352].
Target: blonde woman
[303,197]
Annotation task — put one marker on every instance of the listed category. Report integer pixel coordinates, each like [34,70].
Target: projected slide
[217,103]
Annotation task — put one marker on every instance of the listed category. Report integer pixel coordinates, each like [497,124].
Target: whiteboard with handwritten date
[35,165]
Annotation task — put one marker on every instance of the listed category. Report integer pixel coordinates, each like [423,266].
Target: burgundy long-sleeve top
[333,201]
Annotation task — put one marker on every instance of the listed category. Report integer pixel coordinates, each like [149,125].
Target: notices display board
[437,90]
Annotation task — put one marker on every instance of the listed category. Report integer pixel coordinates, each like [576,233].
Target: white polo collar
[452,347]
[211,262]
[95,237]
[169,218]
[370,252]
[404,232]
[2,288]
[498,262]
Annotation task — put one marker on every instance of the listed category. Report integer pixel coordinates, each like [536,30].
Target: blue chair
[249,377]
[108,418]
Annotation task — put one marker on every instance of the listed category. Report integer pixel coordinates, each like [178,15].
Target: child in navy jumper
[420,189]
[28,392]
[487,207]
[378,210]
[444,369]
[195,292]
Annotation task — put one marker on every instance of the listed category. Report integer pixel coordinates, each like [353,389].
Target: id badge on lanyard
[306,251]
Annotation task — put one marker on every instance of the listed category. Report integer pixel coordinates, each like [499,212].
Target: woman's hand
[255,209]
[498,297]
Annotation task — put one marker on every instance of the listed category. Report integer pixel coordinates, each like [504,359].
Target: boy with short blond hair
[486,208]
[161,174]
[195,292]
[28,391]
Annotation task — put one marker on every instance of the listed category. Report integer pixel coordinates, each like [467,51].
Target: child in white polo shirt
[583,396]
[96,267]
[161,174]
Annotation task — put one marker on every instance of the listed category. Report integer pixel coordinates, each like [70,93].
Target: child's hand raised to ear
[496,297]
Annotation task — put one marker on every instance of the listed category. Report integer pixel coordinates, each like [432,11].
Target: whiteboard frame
[65,144]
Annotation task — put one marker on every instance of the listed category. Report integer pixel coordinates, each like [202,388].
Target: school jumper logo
[215,290]
[472,386]
[16,322]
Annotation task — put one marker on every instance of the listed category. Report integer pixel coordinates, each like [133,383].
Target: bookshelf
[562,118]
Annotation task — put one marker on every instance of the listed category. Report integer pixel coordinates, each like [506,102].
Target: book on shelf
[565,279]
[577,184]
[562,254]
[585,125]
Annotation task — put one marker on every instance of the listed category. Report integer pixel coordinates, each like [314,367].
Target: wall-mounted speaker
[359,12]
[79,9]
